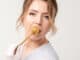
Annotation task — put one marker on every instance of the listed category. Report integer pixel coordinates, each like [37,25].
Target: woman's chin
[34,37]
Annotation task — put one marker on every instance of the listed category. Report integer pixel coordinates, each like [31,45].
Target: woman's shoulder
[10,50]
[50,52]
[45,52]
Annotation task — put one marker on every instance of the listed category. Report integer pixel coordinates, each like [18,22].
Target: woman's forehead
[39,6]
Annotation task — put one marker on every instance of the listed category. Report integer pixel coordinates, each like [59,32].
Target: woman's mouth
[36,30]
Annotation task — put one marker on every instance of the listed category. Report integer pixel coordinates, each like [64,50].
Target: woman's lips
[39,30]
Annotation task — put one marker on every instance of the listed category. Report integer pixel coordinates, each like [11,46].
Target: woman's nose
[38,20]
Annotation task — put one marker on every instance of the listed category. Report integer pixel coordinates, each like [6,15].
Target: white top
[44,52]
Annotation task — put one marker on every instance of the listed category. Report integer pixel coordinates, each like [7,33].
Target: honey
[35,30]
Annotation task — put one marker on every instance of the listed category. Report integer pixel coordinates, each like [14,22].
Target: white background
[67,39]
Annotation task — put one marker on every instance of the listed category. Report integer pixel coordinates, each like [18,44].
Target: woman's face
[37,15]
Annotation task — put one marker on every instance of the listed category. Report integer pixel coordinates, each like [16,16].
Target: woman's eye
[47,17]
[32,14]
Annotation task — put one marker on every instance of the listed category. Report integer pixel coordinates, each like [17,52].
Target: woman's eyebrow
[34,11]
[38,11]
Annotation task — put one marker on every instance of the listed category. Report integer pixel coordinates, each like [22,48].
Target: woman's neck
[35,43]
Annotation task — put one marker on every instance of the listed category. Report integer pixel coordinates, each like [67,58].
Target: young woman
[37,18]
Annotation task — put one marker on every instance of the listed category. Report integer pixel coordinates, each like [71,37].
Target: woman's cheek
[46,29]
[26,24]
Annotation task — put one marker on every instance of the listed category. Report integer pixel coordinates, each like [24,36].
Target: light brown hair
[52,9]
